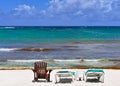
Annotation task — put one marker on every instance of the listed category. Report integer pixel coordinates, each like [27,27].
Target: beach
[25,77]
[64,42]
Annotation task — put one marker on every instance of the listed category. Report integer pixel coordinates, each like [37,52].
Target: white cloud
[106,5]
[42,12]
[71,9]
[78,6]
[24,10]
[86,4]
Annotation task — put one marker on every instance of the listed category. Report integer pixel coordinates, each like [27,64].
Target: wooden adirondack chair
[40,71]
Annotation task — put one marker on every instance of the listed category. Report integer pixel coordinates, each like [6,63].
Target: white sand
[25,77]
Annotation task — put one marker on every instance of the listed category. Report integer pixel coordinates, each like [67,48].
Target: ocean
[59,46]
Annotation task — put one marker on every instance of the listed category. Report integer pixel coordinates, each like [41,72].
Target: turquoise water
[57,34]
[22,46]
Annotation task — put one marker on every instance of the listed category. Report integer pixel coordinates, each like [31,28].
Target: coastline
[77,67]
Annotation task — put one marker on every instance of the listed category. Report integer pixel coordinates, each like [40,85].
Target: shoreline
[68,63]
[53,68]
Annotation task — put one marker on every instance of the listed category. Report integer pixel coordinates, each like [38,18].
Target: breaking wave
[26,49]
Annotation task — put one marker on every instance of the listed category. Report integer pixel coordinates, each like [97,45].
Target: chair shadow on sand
[41,81]
[65,81]
[93,80]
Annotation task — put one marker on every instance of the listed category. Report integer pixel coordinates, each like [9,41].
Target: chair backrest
[40,65]
[41,68]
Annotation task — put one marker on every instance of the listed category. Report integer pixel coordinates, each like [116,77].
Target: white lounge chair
[64,75]
[94,73]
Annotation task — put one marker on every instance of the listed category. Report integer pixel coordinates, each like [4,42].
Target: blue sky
[59,12]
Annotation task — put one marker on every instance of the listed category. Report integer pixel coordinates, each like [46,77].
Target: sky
[59,12]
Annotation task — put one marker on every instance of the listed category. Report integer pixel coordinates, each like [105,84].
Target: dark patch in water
[116,60]
[70,46]
[3,60]
[36,49]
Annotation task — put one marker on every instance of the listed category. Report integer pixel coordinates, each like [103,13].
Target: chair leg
[85,78]
[35,76]
[98,78]
[48,77]
[102,78]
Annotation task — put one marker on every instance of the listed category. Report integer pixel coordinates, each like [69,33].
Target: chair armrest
[48,75]
[49,70]
[33,70]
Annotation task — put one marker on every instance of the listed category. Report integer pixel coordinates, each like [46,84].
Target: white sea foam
[57,63]
[7,49]
[22,49]
[23,60]
[56,60]
[9,27]
[67,60]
